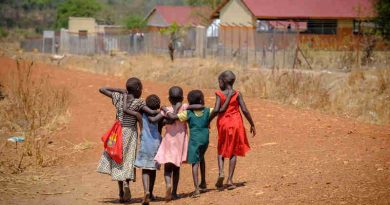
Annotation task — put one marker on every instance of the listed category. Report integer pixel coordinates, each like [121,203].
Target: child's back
[232,140]
[150,142]
[198,123]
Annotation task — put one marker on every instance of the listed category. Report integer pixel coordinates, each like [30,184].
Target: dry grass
[360,93]
[32,108]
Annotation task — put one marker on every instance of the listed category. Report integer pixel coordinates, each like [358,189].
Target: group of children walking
[175,147]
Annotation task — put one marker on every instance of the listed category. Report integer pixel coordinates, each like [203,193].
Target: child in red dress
[232,140]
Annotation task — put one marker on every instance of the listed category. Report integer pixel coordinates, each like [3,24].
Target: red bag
[113,142]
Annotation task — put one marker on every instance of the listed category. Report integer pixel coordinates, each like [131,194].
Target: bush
[32,108]
[3,33]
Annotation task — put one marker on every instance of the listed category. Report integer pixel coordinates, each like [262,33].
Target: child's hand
[253,131]
[165,109]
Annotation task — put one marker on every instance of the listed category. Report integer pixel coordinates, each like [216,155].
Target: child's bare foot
[219,183]
[196,194]
[127,194]
[168,194]
[146,199]
[175,196]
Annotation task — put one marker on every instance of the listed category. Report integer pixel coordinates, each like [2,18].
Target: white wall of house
[235,12]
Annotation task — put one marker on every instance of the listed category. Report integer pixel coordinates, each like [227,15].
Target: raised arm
[108,91]
[247,114]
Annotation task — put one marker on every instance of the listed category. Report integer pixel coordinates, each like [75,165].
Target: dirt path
[299,156]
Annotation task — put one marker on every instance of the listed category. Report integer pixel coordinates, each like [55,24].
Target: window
[322,27]
[83,33]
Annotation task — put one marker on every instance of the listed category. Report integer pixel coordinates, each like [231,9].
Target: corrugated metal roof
[307,9]
[182,15]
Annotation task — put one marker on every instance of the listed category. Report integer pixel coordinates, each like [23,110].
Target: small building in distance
[185,16]
[82,26]
[164,16]
[320,23]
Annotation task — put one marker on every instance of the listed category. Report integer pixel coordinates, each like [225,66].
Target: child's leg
[202,173]
[232,167]
[151,182]
[221,176]
[146,182]
[126,188]
[221,162]
[168,180]
[175,179]
[121,193]
[195,168]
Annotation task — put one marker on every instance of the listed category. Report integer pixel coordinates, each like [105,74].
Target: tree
[77,8]
[382,20]
[211,3]
[135,22]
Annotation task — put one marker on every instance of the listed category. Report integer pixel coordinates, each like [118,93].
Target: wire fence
[245,46]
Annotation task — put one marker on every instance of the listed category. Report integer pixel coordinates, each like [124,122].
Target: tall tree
[77,8]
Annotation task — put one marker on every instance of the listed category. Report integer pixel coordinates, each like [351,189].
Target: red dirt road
[300,156]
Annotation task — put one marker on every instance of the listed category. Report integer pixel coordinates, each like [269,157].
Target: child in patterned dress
[124,100]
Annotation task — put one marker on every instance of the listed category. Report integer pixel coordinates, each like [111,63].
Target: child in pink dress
[173,148]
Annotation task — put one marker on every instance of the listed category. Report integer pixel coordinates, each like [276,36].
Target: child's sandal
[146,199]
[203,188]
[231,187]
[196,194]
[168,194]
[219,183]
[127,194]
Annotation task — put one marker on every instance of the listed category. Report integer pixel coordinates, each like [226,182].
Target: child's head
[175,95]
[153,102]
[134,87]
[226,78]
[195,97]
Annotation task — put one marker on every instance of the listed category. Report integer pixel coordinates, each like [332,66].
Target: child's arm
[156,118]
[108,91]
[149,111]
[195,107]
[170,115]
[216,108]
[227,101]
[246,113]
[132,112]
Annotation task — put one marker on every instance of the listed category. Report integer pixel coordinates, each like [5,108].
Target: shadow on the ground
[181,196]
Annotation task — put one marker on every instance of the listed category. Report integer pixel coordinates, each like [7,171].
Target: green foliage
[383,19]
[135,22]
[171,30]
[77,8]
[3,33]
[211,3]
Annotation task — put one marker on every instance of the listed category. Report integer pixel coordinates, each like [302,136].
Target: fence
[243,45]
